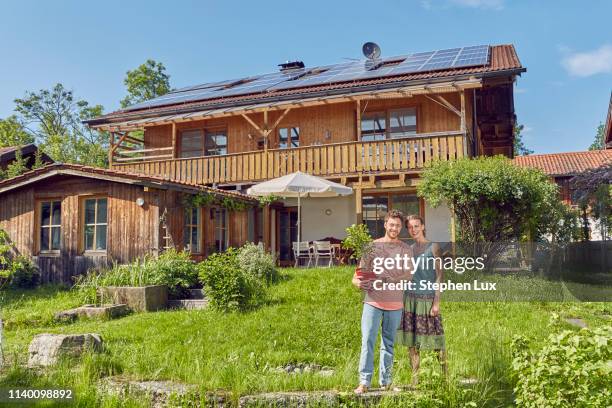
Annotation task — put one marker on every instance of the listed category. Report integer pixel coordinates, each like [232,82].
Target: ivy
[267,199]
[205,199]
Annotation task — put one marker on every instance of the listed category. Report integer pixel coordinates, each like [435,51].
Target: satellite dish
[371,50]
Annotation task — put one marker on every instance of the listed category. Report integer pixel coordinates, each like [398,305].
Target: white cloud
[527,129]
[520,90]
[589,63]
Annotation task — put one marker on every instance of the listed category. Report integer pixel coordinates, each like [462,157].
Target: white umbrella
[299,185]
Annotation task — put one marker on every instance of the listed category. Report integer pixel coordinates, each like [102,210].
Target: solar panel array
[323,75]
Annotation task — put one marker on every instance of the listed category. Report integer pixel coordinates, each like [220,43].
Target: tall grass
[312,316]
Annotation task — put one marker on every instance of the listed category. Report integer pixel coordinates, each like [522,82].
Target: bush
[173,269]
[571,370]
[255,260]
[357,239]
[15,271]
[228,286]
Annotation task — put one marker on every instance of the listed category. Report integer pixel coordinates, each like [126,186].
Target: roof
[78,170]
[503,61]
[8,153]
[566,164]
[608,126]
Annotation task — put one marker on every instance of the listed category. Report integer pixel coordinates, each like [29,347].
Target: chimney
[291,65]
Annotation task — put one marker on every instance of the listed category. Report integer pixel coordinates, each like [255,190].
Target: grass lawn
[312,316]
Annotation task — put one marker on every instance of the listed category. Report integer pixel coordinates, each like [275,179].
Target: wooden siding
[354,158]
[322,128]
[133,231]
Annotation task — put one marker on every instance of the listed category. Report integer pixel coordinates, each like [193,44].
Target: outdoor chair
[323,249]
[301,250]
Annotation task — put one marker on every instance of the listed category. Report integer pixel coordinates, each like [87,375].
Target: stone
[92,312]
[46,349]
[291,399]
[159,393]
[575,321]
[138,298]
[188,304]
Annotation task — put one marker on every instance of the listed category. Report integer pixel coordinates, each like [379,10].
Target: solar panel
[344,72]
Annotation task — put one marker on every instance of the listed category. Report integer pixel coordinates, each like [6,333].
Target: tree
[54,116]
[519,146]
[15,167]
[599,142]
[592,191]
[13,133]
[493,200]
[146,82]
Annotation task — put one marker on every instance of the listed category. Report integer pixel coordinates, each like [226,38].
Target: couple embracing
[410,317]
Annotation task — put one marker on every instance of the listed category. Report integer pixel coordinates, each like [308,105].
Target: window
[191,230]
[373,126]
[375,206]
[216,143]
[402,123]
[221,238]
[95,223]
[288,137]
[392,124]
[192,143]
[198,143]
[50,226]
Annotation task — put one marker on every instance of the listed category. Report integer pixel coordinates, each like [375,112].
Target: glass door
[287,234]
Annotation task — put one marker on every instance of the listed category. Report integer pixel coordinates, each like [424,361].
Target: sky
[566,47]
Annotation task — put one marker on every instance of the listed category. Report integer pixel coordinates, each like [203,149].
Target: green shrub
[228,286]
[572,369]
[255,260]
[173,269]
[15,271]
[357,239]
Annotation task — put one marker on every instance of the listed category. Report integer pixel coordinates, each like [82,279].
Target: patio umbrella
[299,185]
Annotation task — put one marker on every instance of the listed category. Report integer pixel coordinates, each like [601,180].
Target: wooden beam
[358,205]
[110,151]
[281,117]
[358,119]
[462,96]
[121,139]
[266,130]
[174,139]
[440,100]
[257,128]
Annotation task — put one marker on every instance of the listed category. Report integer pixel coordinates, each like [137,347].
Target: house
[372,124]
[562,167]
[70,218]
[28,152]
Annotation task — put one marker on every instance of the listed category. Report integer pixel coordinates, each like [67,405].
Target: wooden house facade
[374,134]
[71,218]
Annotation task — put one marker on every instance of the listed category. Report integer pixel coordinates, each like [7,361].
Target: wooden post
[462,96]
[174,140]
[266,228]
[358,205]
[265,130]
[358,119]
[111,150]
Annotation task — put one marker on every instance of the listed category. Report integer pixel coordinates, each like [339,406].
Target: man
[382,306]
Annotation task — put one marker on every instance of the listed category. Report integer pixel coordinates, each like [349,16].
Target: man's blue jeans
[371,320]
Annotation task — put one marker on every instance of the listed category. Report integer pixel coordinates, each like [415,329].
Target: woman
[421,326]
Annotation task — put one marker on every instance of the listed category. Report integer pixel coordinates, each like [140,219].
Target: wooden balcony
[331,161]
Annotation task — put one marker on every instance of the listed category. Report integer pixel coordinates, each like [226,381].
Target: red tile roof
[503,58]
[566,164]
[119,176]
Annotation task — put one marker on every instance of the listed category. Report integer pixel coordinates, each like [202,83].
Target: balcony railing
[338,159]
